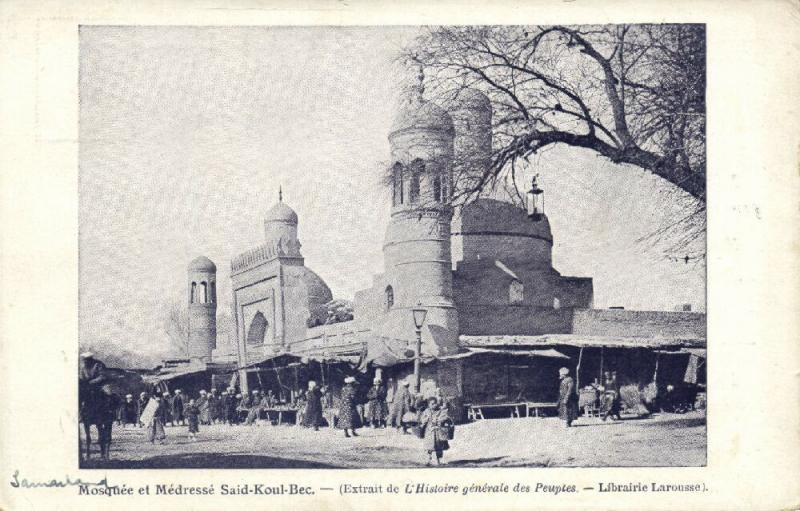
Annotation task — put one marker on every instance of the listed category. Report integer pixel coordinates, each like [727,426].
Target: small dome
[202,263]
[494,217]
[280,212]
[422,115]
[471,98]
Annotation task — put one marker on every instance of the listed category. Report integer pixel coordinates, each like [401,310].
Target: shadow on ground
[205,460]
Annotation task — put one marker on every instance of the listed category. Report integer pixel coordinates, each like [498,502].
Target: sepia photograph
[360,247]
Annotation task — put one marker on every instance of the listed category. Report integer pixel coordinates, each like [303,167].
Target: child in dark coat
[192,413]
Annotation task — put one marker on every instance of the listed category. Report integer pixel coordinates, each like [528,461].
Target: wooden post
[600,379]
[578,371]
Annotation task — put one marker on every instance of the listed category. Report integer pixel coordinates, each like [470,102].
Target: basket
[449,432]
[409,418]
[418,431]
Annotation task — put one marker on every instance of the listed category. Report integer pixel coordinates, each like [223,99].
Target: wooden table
[475,411]
[290,414]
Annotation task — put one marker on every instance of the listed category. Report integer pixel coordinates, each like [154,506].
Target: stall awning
[274,359]
[154,379]
[547,353]
[389,352]
[580,341]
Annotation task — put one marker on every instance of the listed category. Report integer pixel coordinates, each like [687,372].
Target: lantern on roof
[535,201]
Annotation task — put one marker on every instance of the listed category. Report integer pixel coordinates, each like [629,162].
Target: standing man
[376,407]
[177,408]
[349,418]
[202,407]
[611,398]
[567,398]
[129,411]
[168,410]
[141,403]
[213,406]
[312,417]
[155,428]
[401,404]
[91,375]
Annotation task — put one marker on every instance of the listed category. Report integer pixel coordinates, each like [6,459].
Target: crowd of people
[381,406]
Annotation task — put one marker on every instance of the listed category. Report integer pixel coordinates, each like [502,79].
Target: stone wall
[484,283]
[513,319]
[629,323]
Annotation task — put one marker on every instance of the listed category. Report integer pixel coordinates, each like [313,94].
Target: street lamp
[419,320]
[535,201]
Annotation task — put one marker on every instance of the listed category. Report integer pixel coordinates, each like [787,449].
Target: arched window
[203,292]
[400,184]
[193,295]
[389,297]
[258,328]
[437,188]
[413,189]
[516,292]
[417,169]
[212,295]
[397,184]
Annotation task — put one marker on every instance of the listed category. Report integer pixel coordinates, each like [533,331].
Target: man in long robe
[129,411]
[567,398]
[349,418]
[141,403]
[177,408]
[376,405]
[401,404]
[312,418]
[202,404]
[168,409]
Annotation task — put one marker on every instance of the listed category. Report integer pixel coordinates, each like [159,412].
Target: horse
[98,407]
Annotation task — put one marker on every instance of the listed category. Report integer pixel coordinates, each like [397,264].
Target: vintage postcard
[384,261]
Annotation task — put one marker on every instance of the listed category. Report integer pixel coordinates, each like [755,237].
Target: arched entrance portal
[258,329]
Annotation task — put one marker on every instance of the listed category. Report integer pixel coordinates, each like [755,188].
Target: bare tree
[634,94]
[176,326]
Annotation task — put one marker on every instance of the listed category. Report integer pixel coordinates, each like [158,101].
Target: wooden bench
[475,411]
[536,407]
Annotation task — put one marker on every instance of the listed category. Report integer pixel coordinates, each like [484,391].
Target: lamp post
[419,320]
[535,201]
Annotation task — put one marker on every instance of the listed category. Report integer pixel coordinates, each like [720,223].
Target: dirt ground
[660,440]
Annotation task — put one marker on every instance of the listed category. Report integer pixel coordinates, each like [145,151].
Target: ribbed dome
[280,212]
[494,217]
[422,115]
[202,263]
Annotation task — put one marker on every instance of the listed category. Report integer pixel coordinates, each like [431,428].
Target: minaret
[417,246]
[202,308]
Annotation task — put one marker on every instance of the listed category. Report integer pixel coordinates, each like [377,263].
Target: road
[661,440]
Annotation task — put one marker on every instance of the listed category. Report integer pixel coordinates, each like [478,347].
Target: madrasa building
[471,299]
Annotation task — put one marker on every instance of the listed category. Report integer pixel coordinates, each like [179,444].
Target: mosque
[477,290]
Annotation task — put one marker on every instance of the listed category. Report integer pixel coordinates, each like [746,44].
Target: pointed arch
[257,330]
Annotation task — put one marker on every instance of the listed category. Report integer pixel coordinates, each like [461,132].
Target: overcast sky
[187,133]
